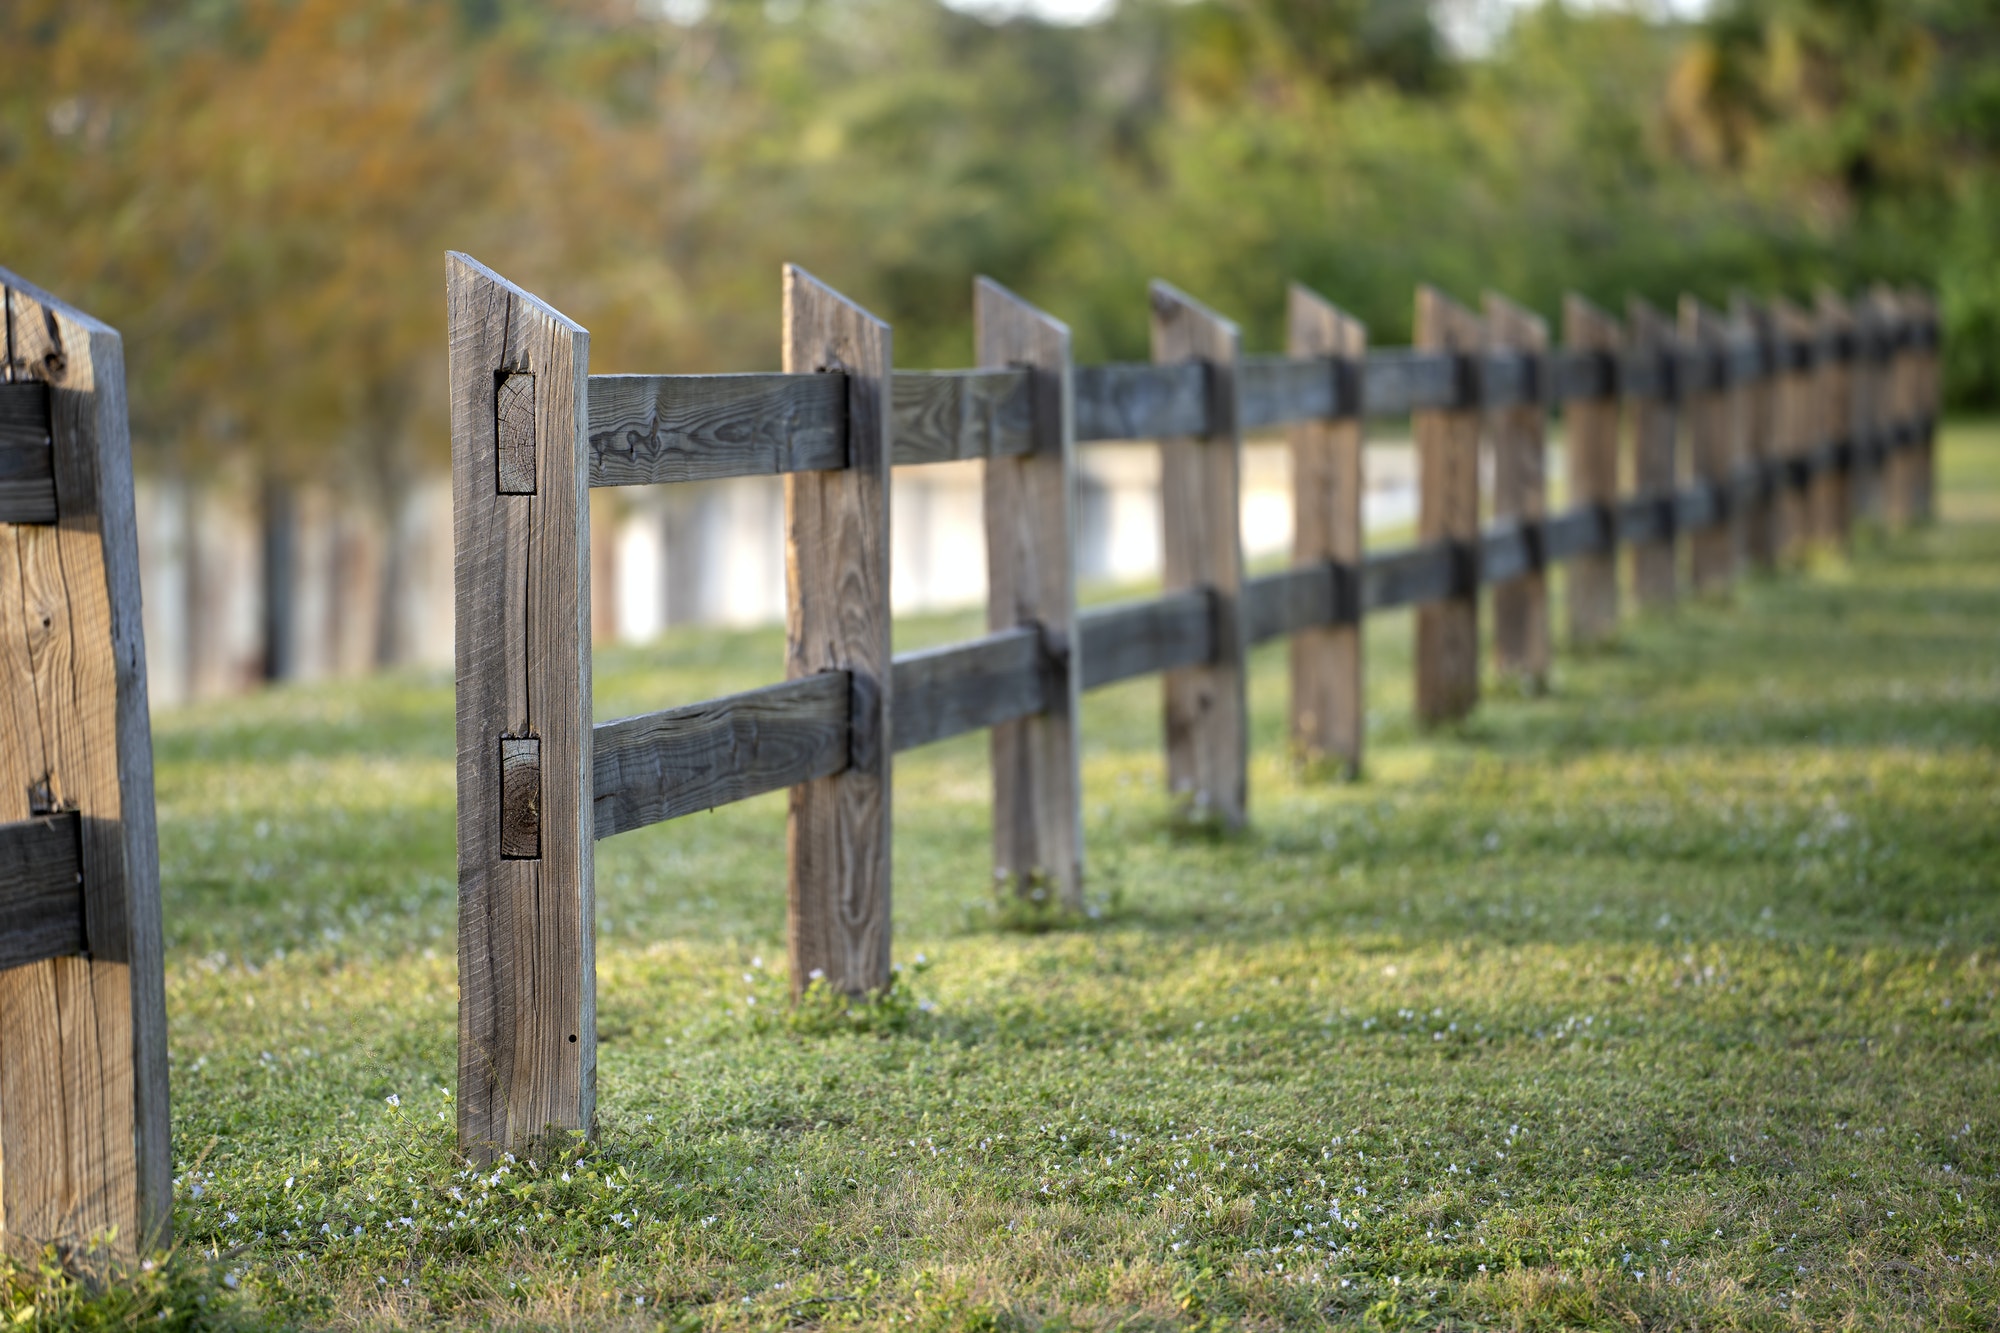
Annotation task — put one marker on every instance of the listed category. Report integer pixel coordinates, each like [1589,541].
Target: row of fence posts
[1754,431]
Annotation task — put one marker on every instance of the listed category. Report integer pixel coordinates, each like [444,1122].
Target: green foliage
[170,1292]
[258,193]
[1665,1000]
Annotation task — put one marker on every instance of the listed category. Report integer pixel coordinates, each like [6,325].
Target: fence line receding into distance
[1755,431]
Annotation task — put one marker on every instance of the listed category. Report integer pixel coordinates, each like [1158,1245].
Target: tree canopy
[259,192]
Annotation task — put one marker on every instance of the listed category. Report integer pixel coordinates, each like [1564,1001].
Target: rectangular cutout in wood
[514,434]
[520,798]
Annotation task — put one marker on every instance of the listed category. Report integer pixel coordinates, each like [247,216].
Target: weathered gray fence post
[527,1014]
[837,619]
[1760,423]
[1590,427]
[1031,581]
[84,1155]
[1655,434]
[1798,417]
[1207,709]
[1447,446]
[1832,493]
[1711,441]
[1520,492]
[1329,721]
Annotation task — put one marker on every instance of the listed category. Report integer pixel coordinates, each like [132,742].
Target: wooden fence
[83,1040]
[1754,431]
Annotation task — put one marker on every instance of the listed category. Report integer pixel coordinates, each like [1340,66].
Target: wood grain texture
[1447,447]
[1206,706]
[520,797]
[998,679]
[1140,402]
[41,890]
[675,762]
[1711,437]
[1520,493]
[837,619]
[1138,638]
[27,460]
[646,429]
[1327,713]
[1591,445]
[83,1058]
[1031,585]
[527,1056]
[1757,424]
[1286,390]
[1797,427]
[1655,461]
[1831,500]
[946,416]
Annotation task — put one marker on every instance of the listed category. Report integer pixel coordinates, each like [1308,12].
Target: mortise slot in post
[514,433]
[520,798]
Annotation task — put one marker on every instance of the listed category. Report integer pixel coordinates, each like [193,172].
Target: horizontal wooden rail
[664,765]
[673,763]
[646,429]
[969,686]
[27,456]
[41,890]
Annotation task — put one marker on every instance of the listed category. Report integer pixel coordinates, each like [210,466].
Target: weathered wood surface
[1521,494]
[83,1039]
[1003,678]
[1711,435]
[527,1055]
[944,416]
[1141,402]
[1798,426]
[675,762]
[1417,575]
[1327,714]
[669,428]
[1031,587]
[1284,390]
[1399,380]
[1655,462]
[1580,534]
[1591,446]
[27,460]
[837,619]
[1758,426]
[1206,705]
[41,890]
[1831,500]
[1300,600]
[1138,638]
[1447,447]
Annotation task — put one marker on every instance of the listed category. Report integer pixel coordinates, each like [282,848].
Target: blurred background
[259,194]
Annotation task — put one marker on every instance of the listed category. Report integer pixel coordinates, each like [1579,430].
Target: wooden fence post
[1447,446]
[1520,491]
[1907,377]
[837,619]
[1655,431]
[1832,492]
[1711,442]
[84,1154]
[1798,418]
[1590,429]
[1329,722]
[1928,403]
[1207,708]
[1759,424]
[527,1014]
[1031,580]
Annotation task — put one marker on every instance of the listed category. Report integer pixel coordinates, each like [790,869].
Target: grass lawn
[1664,1001]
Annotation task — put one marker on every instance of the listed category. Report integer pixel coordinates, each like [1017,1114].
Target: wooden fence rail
[84,1157]
[1753,433]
